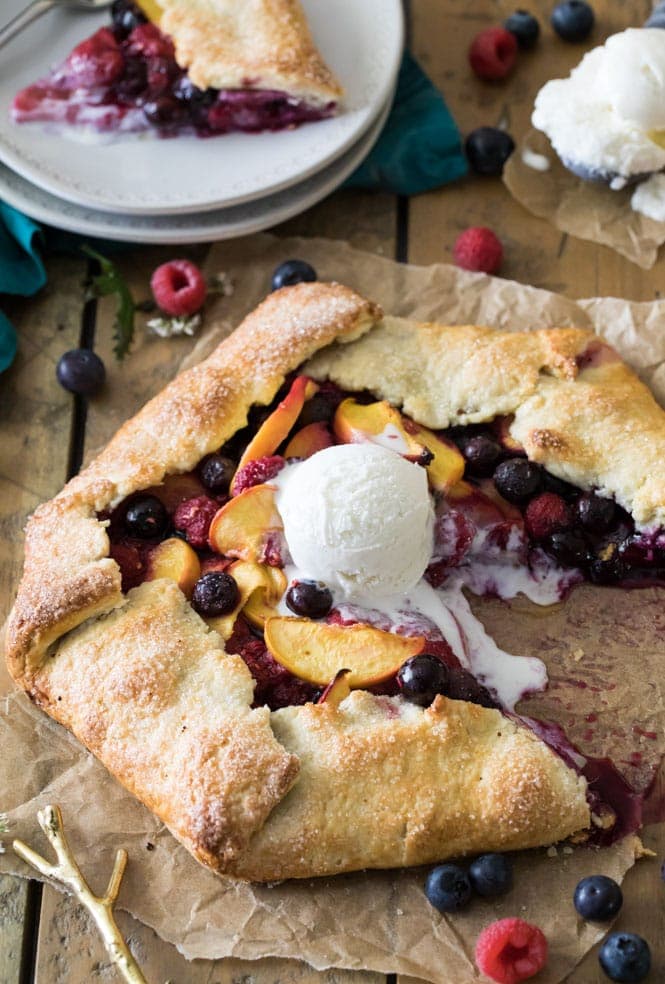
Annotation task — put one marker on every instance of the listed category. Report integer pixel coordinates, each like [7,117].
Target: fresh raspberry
[511,950]
[478,249]
[148,40]
[257,471]
[128,558]
[547,514]
[178,288]
[97,61]
[193,518]
[493,53]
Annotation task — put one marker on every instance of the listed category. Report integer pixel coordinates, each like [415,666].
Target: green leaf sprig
[110,281]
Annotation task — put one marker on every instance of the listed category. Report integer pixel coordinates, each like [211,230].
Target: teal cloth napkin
[419,149]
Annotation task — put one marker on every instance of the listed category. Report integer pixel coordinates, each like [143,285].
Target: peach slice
[152,10]
[276,427]
[176,489]
[306,442]
[268,589]
[243,526]
[315,651]
[381,423]
[252,579]
[175,560]
[337,690]
[378,423]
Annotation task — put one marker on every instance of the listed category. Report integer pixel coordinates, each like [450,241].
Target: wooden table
[45,433]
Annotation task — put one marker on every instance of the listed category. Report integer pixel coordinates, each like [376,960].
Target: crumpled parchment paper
[379,920]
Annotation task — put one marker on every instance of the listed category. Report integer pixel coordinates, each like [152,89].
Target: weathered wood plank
[35,422]
[70,952]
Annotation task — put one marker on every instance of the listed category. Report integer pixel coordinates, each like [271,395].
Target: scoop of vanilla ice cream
[632,76]
[358,517]
[602,115]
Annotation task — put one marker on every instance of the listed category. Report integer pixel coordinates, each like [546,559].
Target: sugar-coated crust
[579,410]
[384,784]
[68,575]
[257,44]
[149,689]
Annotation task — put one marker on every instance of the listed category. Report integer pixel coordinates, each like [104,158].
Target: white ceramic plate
[139,175]
[239,220]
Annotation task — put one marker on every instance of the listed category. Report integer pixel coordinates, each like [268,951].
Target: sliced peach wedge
[307,441]
[176,560]
[337,690]
[381,423]
[315,651]
[244,526]
[253,579]
[278,425]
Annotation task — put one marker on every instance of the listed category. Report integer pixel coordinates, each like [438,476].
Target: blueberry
[216,472]
[421,678]
[491,875]
[321,407]
[569,548]
[625,957]
[598,898]
[462,685]
[311,599]
[292,272]
[488,148]
[481,454]
[448,888]
[81,371]
[518,479]
[594,513]
[216,593]
[573,20]
[146,517]
[525,27]
[163,111]
[657,18]
[125,17]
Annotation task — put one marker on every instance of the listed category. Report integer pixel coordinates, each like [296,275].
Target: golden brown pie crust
[249,44]
[312,790]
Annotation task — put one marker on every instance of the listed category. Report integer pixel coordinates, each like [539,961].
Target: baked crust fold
[253,44]
[386,784]
[578,409]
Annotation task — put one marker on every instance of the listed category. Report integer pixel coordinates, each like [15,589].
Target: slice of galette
[182,66]
[251,606]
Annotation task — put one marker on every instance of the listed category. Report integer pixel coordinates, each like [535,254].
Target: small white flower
[170,327]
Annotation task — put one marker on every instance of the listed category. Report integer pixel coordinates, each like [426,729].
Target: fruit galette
[250,606]
[201,66]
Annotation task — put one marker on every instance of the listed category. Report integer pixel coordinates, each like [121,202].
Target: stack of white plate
[187,189]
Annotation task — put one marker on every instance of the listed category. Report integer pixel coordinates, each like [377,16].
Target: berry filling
[125,78]
[504,525]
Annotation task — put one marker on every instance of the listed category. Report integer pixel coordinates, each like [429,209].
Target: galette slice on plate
[189,66]
[251,606]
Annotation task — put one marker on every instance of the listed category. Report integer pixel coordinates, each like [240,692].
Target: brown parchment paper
[581,208]
[604,650]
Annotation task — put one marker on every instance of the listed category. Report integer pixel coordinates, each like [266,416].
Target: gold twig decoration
[68,873]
